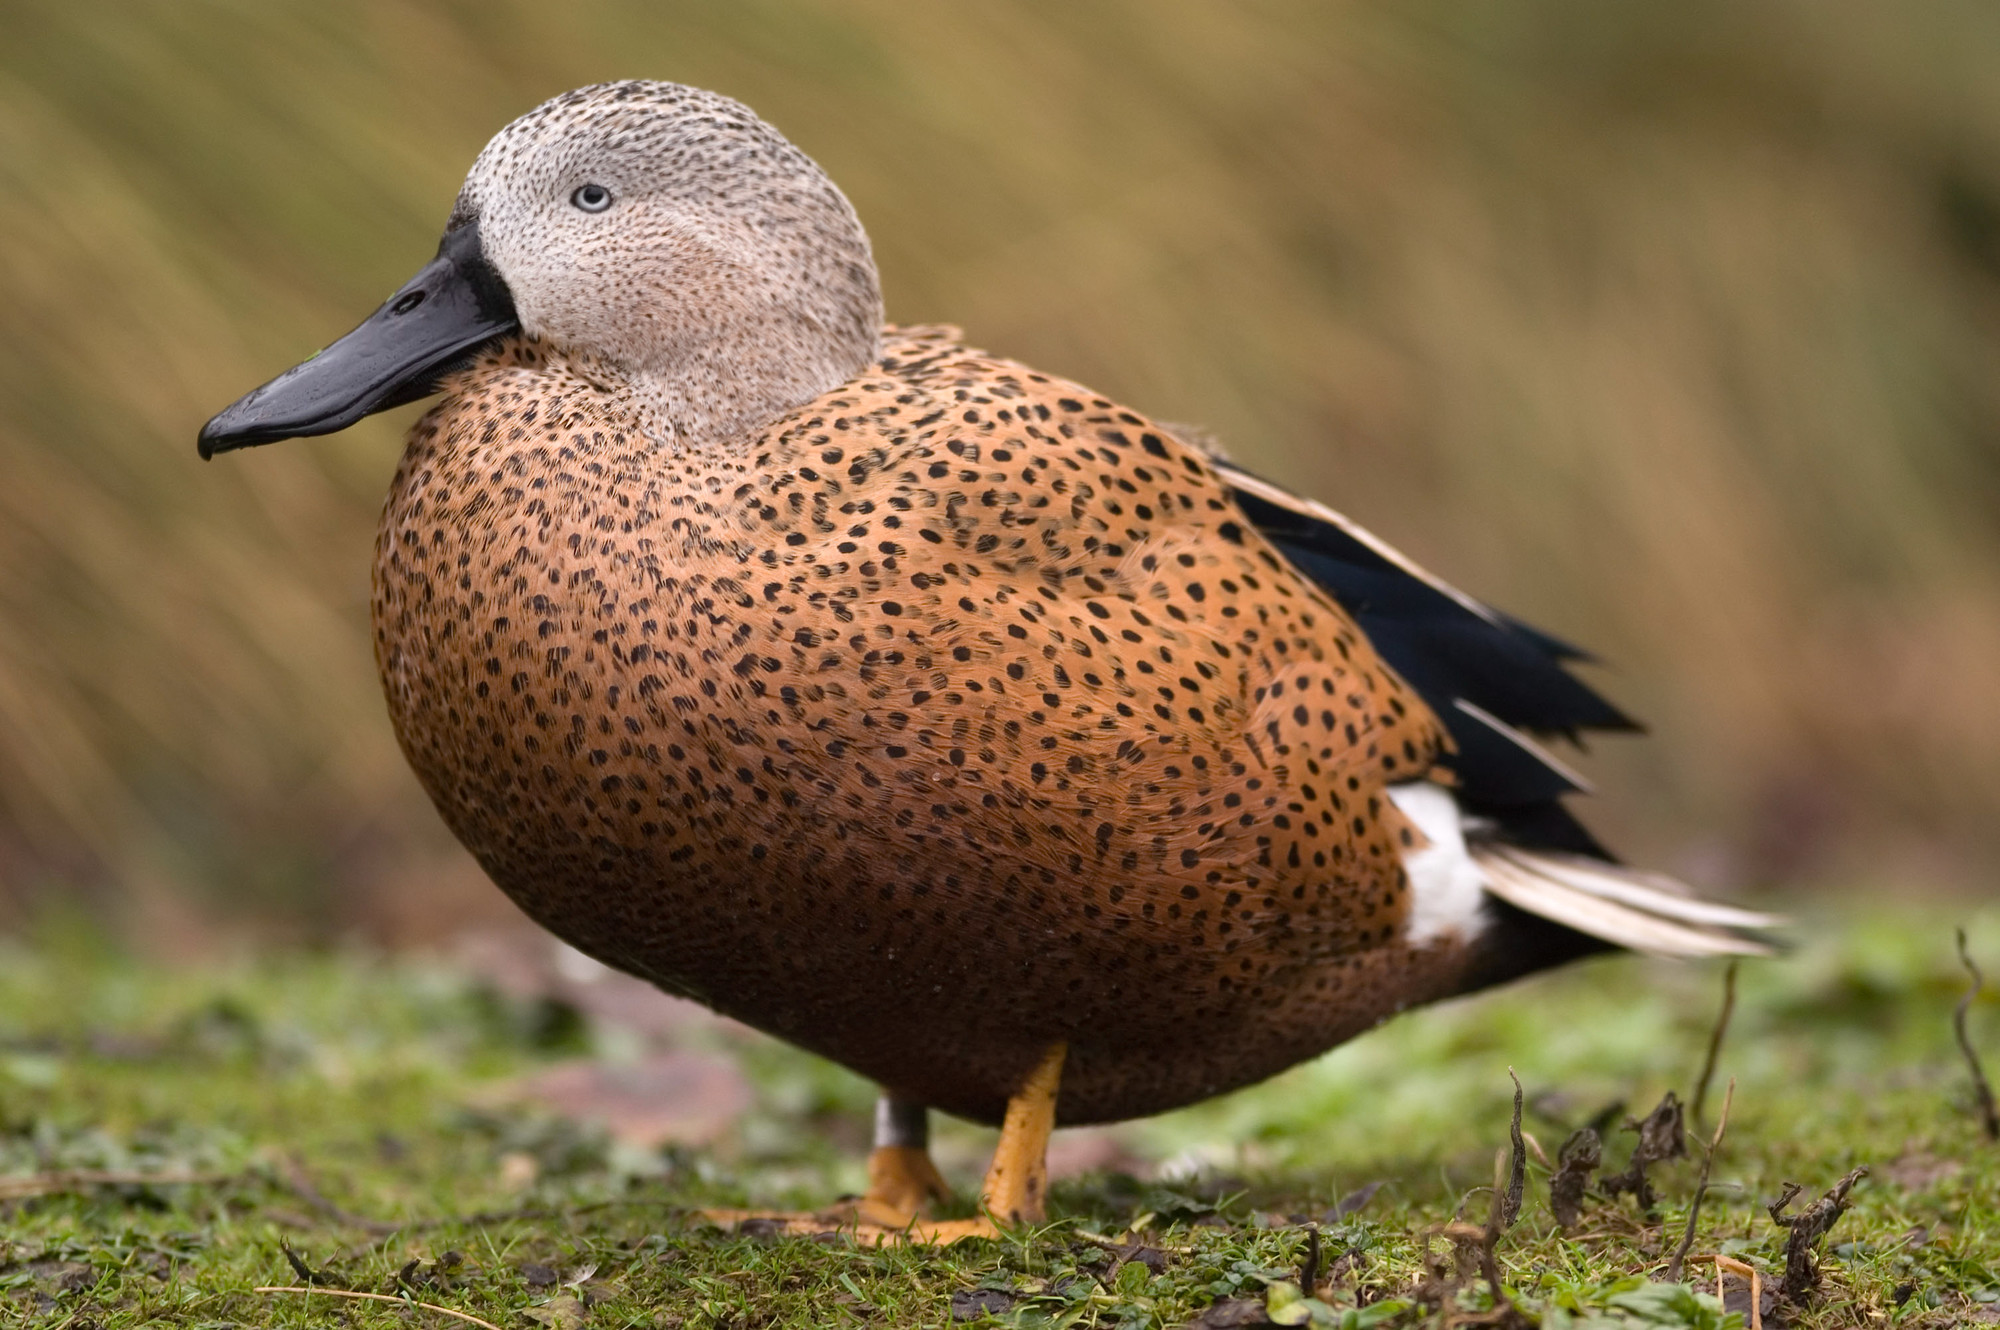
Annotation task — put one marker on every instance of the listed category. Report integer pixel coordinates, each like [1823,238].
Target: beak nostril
[407,303]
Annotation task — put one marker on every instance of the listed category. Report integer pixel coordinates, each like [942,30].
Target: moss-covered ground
[340,1105]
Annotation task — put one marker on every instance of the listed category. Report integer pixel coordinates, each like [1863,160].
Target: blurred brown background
[1672,328]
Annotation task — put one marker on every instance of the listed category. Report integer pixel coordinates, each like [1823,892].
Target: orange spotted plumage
[932,713]
[963,682]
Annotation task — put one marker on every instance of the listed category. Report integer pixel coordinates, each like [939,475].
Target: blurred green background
[1675,329]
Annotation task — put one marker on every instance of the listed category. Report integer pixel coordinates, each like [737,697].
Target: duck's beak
[456,303]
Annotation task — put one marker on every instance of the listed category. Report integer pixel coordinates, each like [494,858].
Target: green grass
[371,1077]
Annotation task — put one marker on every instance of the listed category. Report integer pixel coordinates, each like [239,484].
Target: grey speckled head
[670,234]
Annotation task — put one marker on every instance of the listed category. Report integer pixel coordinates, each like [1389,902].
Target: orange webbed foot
[903,1183]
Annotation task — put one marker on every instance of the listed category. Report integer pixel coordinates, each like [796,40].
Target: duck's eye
[591,198]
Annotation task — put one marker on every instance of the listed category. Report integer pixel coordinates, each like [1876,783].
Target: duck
[931,712]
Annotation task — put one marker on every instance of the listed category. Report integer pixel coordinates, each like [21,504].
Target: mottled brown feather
[957,713]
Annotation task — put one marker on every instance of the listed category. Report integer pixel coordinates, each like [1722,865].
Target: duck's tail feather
[1636,910]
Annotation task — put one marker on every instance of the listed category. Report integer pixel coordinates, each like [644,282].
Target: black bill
[448,310]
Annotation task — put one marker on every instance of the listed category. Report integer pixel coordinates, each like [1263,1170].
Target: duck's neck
[732,383]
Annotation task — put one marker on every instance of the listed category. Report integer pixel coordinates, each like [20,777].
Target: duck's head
[663,235]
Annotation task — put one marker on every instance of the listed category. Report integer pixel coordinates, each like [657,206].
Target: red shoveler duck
[928,711]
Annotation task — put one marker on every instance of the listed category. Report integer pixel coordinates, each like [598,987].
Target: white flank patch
[1451,880]
[1447,888]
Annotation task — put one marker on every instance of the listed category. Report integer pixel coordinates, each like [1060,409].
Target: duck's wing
[1496,683]
[1499,686]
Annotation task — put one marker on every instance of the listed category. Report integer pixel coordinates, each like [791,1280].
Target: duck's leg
[1016,1190]
[902,1179]
[903,1183]
[1017,1181]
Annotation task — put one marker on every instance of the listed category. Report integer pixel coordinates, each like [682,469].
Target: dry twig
[375,1297]
[1675,1266]
[1517,1164]
[1504,1313]
[1715,1038]
[1982,1089]
[1749,1272]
